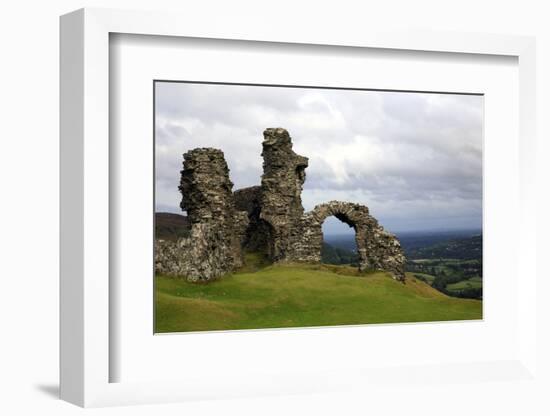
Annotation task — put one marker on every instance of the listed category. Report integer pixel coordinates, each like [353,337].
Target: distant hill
[463,244]
[337,255]
[169,226]
[343,241]
[415,240]
[465,248]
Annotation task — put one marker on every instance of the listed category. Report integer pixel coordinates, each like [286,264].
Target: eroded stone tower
[217,228]
[281,191]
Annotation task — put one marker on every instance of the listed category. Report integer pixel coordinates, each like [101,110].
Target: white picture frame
[85,218]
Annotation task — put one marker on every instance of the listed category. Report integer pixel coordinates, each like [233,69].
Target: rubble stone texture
[217,228]
[268,218]
[282,181]
[377,249]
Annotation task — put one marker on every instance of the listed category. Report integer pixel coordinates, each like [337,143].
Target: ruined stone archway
[376,248]
[345,214]
[354,215]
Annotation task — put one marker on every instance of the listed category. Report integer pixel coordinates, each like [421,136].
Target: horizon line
[419,230]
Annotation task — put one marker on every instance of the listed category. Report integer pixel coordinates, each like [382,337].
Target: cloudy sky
[414,159]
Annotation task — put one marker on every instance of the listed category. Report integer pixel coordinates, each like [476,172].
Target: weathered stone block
[217,228]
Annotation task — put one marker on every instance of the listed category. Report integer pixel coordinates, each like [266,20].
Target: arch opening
[339,244]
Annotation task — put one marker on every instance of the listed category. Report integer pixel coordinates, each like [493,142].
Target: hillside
[337,255]
[268,296]
[454,267]
[170,226]
[465,248]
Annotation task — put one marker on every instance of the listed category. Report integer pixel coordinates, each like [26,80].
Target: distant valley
[450,261]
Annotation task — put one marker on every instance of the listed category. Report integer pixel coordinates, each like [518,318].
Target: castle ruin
[269,218]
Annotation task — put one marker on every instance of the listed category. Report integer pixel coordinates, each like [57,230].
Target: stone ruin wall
[217,227]
[268,218]
[377,249]
[281,191]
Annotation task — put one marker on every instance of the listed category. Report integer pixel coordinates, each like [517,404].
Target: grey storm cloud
[414,158]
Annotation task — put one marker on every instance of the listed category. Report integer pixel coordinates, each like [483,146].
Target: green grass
[429,278]
[474,282]
[262,296]
[443,260]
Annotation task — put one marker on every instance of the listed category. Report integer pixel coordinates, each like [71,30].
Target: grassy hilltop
[277,296]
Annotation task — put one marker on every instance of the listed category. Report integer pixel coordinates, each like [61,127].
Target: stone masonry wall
[377,249]
[281,189]
[217,227]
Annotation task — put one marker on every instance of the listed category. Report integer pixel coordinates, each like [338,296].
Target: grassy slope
[301,295]
[474,282]
[430,278]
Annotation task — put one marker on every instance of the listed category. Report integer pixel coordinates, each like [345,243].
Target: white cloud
[414,159]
